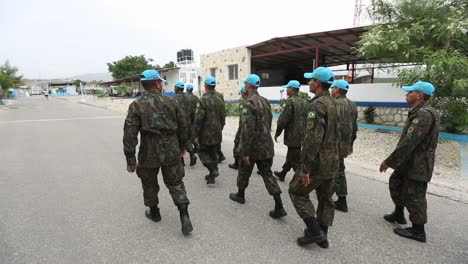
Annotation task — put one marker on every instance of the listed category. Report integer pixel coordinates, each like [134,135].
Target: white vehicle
[36,91]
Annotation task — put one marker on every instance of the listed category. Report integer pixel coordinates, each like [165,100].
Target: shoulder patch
[415,121]
[311,115]
[244,111]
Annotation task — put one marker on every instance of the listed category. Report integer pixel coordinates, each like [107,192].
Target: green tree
[130,65]
[170,65]
[8,77]
[433,35]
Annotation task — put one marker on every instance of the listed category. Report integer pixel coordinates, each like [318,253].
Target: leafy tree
[8,78]
[130,65]
[433,35]
[169,65]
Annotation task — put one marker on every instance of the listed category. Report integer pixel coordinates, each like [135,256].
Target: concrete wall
[221,60]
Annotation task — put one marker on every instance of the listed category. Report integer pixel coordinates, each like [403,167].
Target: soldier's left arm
[417,130]
[315,130]
[130,136]
[284,118]
[355,127]
[199,118]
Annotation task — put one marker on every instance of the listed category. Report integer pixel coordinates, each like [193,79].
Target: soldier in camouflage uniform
[181,101]
[292,121]
[162,128]
[191,108]
[221,156]
[347,112]
[235,151]
[209,123]
[256,145]
[319,161]
[413,162]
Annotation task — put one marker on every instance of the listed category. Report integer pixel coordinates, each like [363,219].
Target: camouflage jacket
[181,99]
[292,121]
[255,137]
[239,128]
[320,148]
[347,115]
[415,153]
[210,119]
[162,128]
[191,108]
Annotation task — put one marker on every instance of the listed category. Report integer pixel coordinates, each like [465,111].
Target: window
[233,70]
[213,72]
[265,75]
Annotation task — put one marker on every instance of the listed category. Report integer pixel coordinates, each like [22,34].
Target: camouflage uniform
[319,160]
[256,142]
[208,128]
[413,161]
[191,107]
[235,150]
[182,100]
[347,112]
[221,156]
[162,129]
[292,121]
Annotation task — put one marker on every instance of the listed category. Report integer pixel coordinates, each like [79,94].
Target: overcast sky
[58,38]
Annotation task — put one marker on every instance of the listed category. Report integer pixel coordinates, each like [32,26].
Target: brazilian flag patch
[311,115]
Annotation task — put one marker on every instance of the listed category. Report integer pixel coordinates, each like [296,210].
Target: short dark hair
[426,97]
[342,92]
[325,85]
[148,84]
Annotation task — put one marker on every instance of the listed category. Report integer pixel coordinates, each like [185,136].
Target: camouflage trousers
[293,159]
[209,154]
[235,151]
[341,187]
[324,189]
[172,179]
[410,194]
[264,166]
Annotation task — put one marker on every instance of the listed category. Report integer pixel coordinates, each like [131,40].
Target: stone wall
[221,60]
[389,116]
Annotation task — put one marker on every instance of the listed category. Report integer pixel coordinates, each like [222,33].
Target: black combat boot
[193,158]
[324,244]
[416,232]
[397,216]
[281,175]
[221,156]
[210,178]
[238,197]
[153,213]
[235,165]
[312,234]
[185,219]
[279,210]
[341,204]
[182,161]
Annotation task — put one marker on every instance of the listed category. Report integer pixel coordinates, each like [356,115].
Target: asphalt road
[65,197]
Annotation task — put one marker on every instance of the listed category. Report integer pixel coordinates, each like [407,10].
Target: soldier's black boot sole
[410,233]
[237,198]
[234,166]
[392,218]
[310,238]
[278,213]
[153,215]
[341,205]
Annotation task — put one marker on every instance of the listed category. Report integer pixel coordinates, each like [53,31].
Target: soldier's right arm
[284,118]
[247,135]
[131,129]
[315,131]
[354,120]
[199,117]
[181,126]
